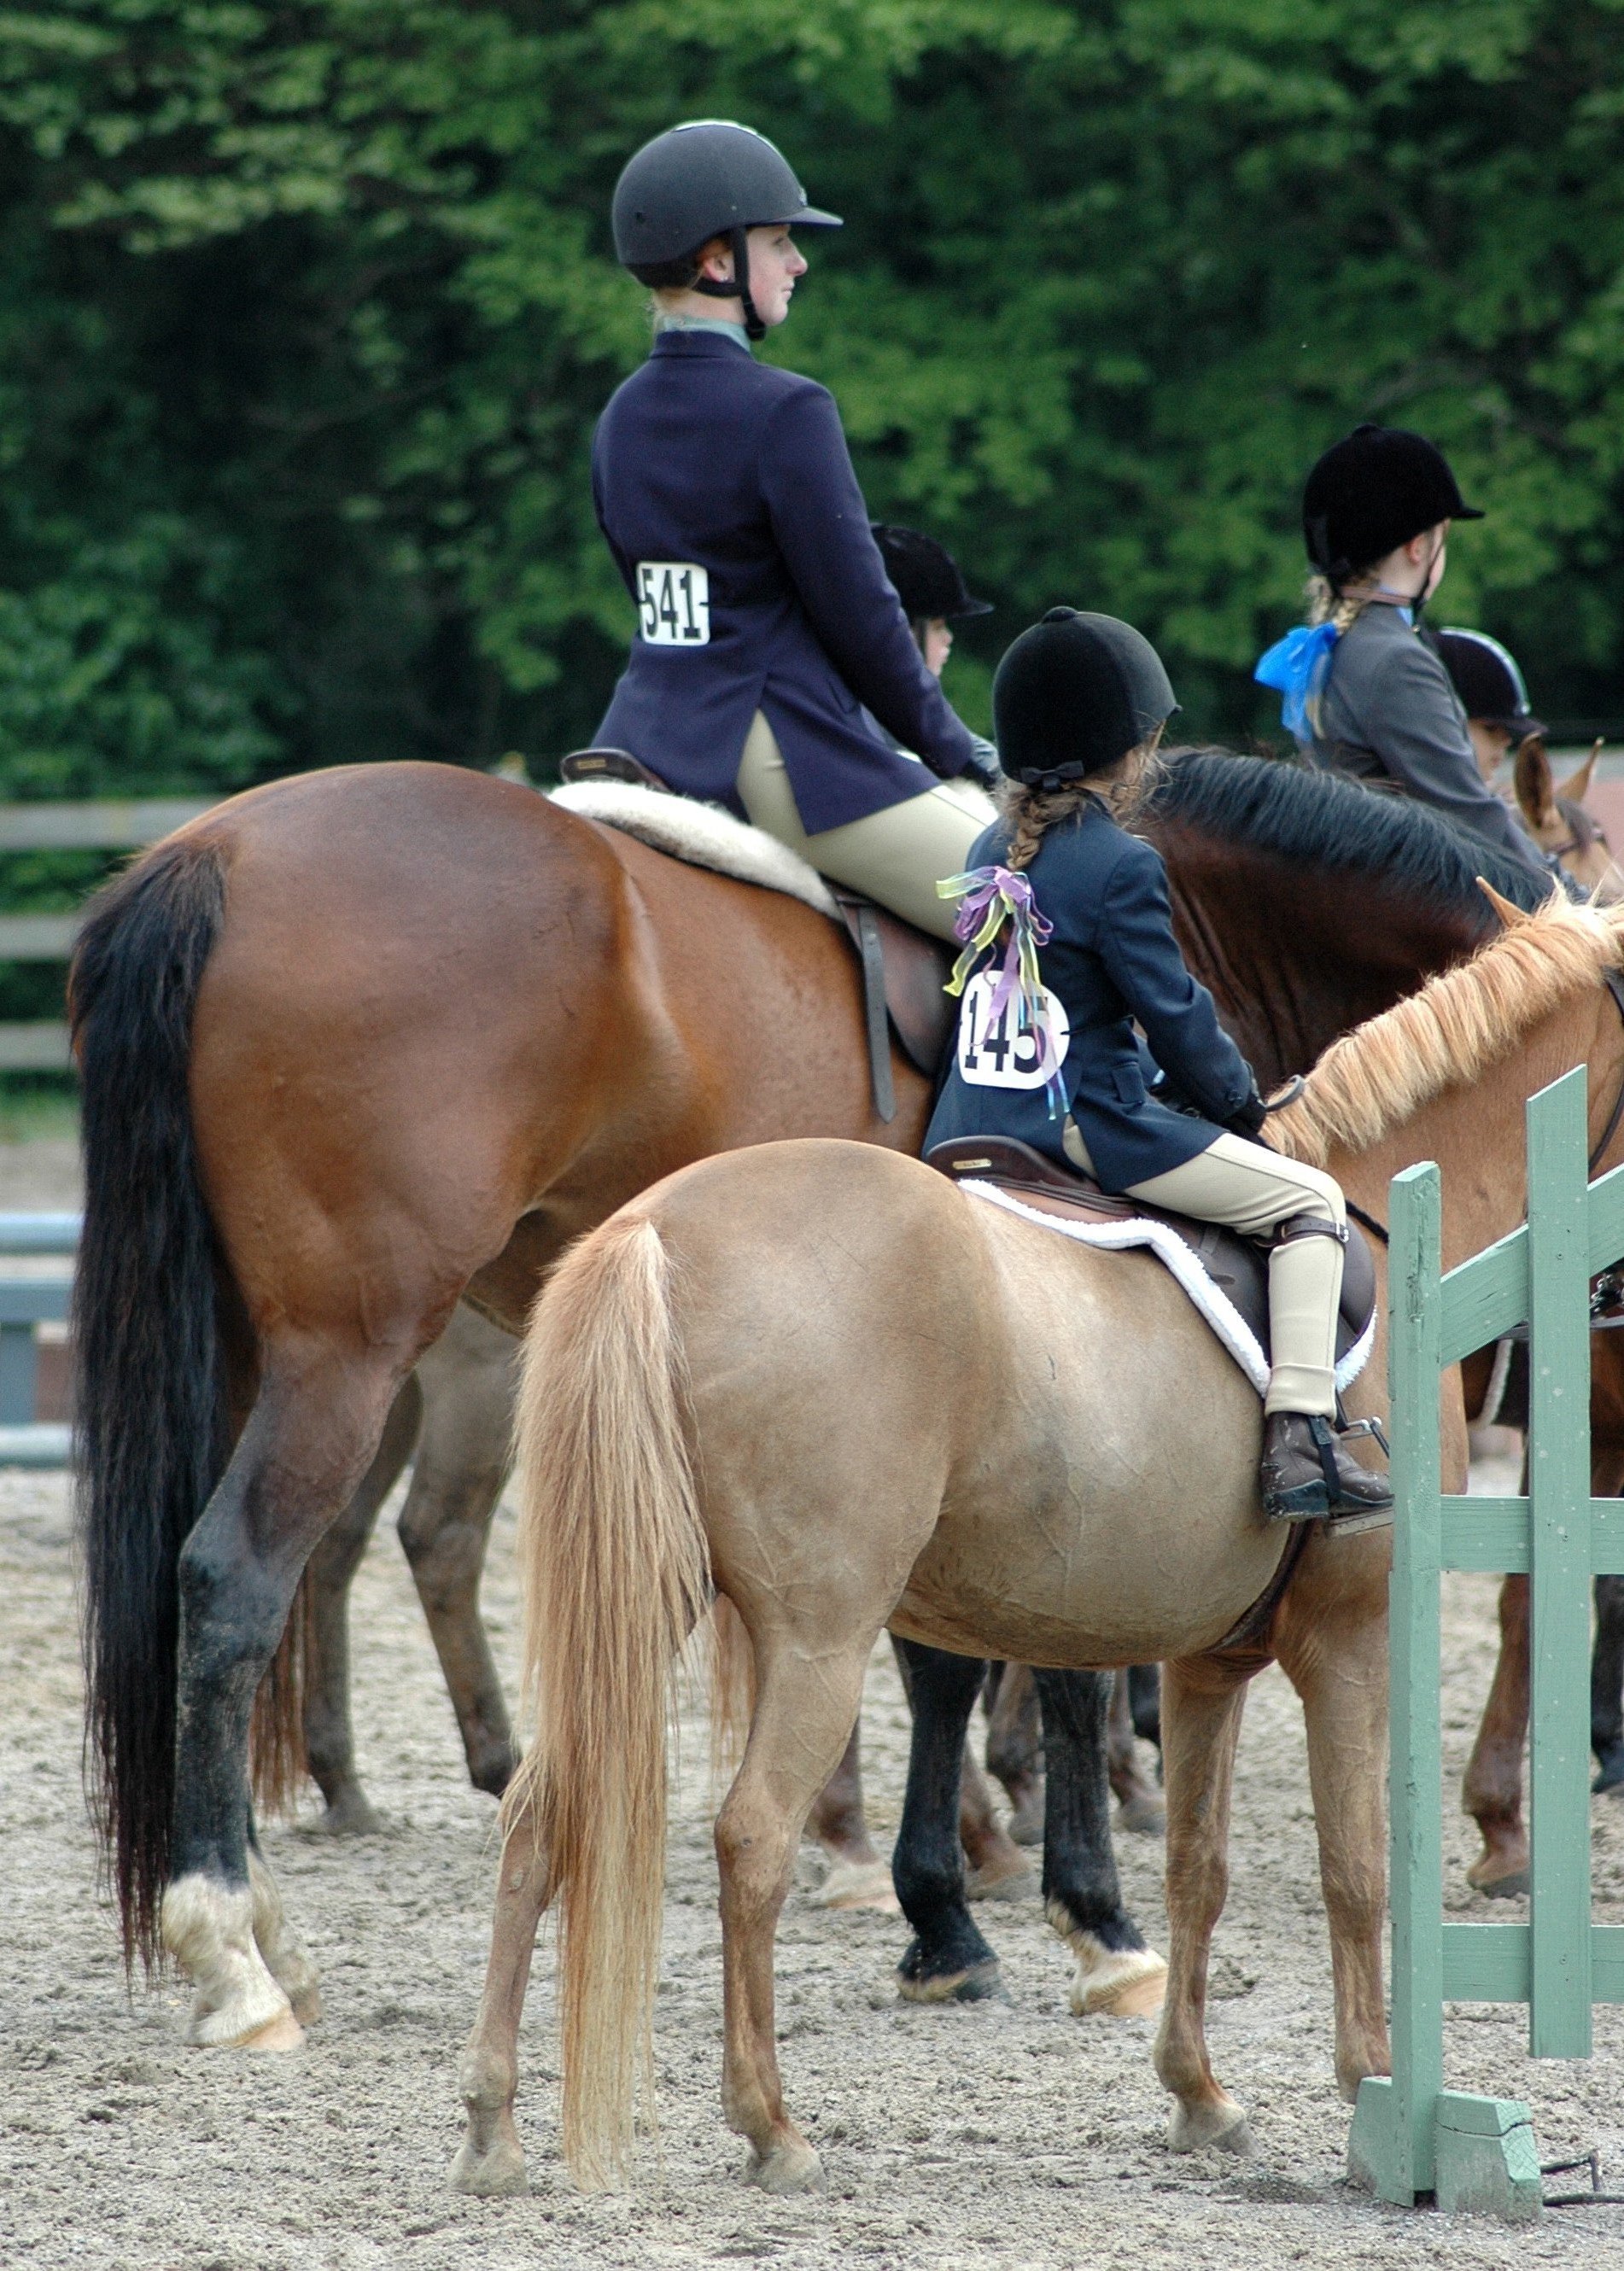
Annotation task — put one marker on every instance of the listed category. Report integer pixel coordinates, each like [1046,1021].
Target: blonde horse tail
[615,1570]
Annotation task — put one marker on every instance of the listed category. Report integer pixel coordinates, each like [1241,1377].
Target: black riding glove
[984,768]
[1249,1120]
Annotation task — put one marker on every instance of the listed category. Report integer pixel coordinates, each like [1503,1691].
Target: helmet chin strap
[736,286]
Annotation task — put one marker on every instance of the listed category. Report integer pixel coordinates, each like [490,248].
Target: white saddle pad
[702,834]
[1186,1265]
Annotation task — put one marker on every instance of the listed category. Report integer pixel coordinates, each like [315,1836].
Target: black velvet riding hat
[1372,492]
[1074,694]
[1488,681]
[926,578]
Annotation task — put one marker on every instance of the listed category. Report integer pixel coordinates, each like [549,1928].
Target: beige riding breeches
[1251,1188]
[897,856]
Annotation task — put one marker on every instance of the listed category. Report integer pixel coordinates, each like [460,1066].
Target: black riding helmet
[706,178]
[926,576]
[1074,694]
[1488,681]
[1372,492]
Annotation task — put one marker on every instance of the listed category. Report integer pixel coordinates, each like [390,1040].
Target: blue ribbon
[1296,667]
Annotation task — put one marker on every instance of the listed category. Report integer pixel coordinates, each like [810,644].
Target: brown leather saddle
[1238,1266]
[904,969]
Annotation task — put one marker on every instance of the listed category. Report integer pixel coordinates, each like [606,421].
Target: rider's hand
[1249,1120]
[984,768]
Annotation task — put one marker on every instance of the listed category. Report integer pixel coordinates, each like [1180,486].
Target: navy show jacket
[706,456]
[1113,958]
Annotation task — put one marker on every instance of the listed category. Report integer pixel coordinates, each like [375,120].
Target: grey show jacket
[1389,713]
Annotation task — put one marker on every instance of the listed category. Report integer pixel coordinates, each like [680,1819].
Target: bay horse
[820,1380]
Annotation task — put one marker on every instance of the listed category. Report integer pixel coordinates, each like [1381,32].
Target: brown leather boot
[1308,1476]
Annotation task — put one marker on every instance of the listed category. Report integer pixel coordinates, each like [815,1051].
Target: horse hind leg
[1117,1975]
[490,2161]
[857,1879]
[307,1442]
[1491,1789]
[1015,1748]
[1607,1686]
[329,1738]
[1143,1809]
[469,1380]
[804,1712]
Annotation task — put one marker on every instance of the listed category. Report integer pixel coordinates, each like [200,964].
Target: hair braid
[1327,605]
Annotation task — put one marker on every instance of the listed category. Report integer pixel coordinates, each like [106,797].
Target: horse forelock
[1461,1022]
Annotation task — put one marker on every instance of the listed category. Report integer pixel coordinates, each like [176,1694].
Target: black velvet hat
[1372,492]
[1074,694]
[1488,681]
[925,575]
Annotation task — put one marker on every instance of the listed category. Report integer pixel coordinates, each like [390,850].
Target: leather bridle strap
[1613,981]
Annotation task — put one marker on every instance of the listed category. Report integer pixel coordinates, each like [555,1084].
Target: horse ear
[1577,785]
[1509,915]
[1531,775]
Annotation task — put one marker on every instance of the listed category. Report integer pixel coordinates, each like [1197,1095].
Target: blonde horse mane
[1375,1078]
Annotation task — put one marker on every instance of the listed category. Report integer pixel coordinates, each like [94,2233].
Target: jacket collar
[710,344]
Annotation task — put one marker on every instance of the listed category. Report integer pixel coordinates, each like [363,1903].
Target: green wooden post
[1559,1490]
[1391,2147]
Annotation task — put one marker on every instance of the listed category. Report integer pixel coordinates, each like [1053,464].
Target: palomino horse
[824,1382]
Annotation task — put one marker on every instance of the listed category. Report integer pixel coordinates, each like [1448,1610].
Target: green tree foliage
[306,312]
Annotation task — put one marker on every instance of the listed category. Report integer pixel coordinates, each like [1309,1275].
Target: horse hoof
[1510,1886]
[307,2005]
[1610,1781]
[349,1815]
[1143,1814]
[787,2169]
[982,1983]
[1127,1983]
[1007,1879]
[496,2173]
[1221,2126]
[492,1775]
[277,2036]
[858,1885]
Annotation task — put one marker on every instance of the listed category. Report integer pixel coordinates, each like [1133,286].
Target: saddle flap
[915,970]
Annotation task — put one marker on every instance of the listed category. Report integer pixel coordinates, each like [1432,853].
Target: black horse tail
[150,1401]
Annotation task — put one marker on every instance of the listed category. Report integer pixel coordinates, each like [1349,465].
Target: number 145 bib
[995,1052]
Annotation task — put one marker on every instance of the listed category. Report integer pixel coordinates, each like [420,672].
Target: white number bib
[994,1053]
[673,603]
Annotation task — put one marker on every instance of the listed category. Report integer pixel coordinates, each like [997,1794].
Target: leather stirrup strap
[863,924]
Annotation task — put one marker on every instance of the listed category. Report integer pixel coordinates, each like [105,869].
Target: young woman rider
[768,641]
[1079,703]
[1364,693]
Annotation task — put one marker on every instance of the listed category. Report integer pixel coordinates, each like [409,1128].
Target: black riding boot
[1307,1476]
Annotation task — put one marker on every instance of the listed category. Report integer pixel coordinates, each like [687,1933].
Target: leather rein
[1613,981]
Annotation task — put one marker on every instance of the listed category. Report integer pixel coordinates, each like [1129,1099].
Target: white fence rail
[111,824]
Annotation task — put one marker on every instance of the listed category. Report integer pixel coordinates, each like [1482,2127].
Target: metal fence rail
[1410,2135]
[27,1303]
[110,825]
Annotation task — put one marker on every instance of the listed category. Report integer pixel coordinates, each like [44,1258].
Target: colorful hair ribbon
[996,901]
[1296,667]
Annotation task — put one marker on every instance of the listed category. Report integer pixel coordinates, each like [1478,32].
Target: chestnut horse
[844,1394]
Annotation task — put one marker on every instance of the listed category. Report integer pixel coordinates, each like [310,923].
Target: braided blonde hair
[1327,605]
[1122,789]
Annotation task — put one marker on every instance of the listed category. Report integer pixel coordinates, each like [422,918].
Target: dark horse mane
[1265,804]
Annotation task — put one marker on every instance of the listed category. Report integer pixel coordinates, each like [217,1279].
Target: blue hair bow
[1296,667]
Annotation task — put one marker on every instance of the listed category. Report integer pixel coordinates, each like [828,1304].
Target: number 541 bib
[995,1052]
[673,603]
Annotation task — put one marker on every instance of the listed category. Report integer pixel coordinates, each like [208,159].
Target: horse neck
[1476,1131]
[1296,953]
